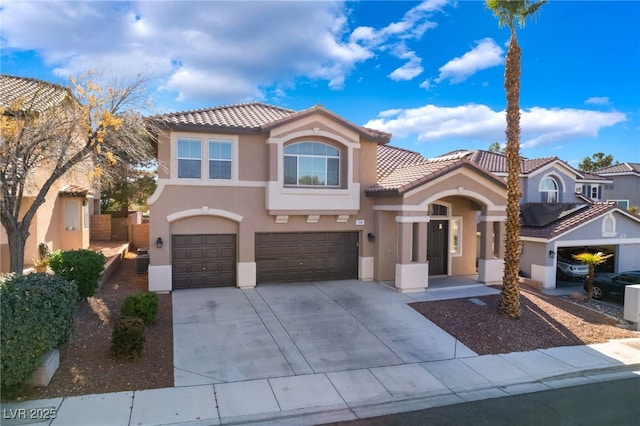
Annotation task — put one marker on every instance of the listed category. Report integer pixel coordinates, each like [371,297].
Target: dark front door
[203,260]
[306,256]
[437,246]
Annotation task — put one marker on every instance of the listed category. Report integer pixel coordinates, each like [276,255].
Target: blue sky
[431,73]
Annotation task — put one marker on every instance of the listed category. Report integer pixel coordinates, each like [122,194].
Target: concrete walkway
[324,352]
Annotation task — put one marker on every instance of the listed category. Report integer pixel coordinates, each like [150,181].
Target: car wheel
[596,292]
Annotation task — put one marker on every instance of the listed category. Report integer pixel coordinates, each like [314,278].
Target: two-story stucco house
[624,187]
[62,222]
[562,211]
[251,194]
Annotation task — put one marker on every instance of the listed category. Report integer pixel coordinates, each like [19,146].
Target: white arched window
[549,190]
[311,164]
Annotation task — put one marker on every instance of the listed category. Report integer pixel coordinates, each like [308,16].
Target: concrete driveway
[229,335]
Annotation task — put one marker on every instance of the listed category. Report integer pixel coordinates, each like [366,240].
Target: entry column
[491,261]
[412,269]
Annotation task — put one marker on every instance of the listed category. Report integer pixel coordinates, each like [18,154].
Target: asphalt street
[604,403]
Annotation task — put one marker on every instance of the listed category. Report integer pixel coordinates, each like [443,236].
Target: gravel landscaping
[547,321]
[86,366]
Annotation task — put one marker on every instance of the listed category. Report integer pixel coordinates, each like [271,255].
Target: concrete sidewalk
[341,395]
[272,364]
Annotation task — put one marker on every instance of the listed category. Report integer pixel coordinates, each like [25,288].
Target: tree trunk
[510,297]
[16,249]
[590,276]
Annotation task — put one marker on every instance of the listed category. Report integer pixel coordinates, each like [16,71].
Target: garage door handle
[204,269]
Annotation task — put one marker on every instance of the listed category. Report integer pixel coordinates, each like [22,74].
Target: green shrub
[127,338]
[82,266]
[141,305]
[36,315]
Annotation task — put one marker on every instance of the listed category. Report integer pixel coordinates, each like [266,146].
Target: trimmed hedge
[36,315]
[141,305]
[83,266]
[127,338]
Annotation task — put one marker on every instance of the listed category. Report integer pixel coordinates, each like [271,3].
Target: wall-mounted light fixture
[371,237]
[159,242]
[552,254]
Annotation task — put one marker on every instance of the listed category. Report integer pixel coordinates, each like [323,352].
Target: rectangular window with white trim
[220,159]
[189,158]
[455,233]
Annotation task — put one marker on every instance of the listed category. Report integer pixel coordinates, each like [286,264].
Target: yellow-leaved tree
[48,131]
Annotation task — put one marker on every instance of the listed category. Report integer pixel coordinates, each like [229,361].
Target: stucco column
[246,266]
[491,262]
[160,270]
[422,241]
[486,239]
[411,276]
[500,230]
[405,238]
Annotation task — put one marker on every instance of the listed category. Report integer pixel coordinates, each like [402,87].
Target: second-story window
[311,164]
[592,191]
[549,191]
[219,159]
[189,158]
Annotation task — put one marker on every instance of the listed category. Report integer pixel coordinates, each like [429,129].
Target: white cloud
[221,52]
[540,126]
[409,70]
[598,100]
[206,50]
[393,37]
[485,54]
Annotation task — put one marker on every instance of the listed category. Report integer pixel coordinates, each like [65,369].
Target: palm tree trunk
[510,297]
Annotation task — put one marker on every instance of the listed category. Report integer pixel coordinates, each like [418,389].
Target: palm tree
[593,260]
[512,13]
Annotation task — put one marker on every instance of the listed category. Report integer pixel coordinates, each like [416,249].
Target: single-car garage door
[204,260]
[306,256]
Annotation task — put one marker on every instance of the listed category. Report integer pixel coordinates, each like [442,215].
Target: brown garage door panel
[291,257]
[204,260]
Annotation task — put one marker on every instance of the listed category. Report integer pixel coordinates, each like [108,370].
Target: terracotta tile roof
[245,116]
[75,191]
[373,134]
[623,168]
[390,157]
[255,116]
[496,162]
[591,176]
[41,94]
[572,219]
[406,177]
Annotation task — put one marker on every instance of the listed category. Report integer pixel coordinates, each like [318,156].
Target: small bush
[36,315]
[141,305]
[82,266]
[127,338]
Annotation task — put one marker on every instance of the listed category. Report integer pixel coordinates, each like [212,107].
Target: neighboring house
[253,193]
[62,222]
[624,188]
[562,212]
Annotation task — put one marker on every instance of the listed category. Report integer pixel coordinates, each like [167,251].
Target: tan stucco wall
[386,246]
[249,203]
[465,263]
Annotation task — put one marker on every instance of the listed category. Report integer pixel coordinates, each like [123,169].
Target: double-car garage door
[306,256]
[209,260]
